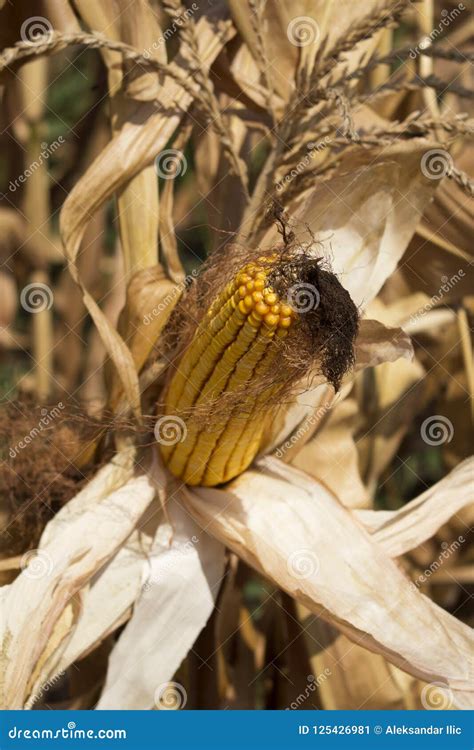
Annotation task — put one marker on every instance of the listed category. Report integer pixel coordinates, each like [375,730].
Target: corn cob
[233,345]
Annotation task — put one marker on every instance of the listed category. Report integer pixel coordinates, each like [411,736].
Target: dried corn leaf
[285,34]
[285,525]
[107,601]
[135,146]
[150,300]
[366,216]
[402,530]
[108,479]
[108,598]
[185,571]
[376,344]
[137,201]
[138,142]
[72,552]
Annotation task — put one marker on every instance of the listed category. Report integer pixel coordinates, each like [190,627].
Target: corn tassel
[234,344]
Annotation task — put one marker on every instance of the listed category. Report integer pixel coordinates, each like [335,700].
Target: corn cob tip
[257,299]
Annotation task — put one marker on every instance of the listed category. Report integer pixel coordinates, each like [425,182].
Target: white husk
[294,531]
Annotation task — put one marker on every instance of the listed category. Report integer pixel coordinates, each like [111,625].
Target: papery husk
[274,513]
[302,413]
[107,600]
[75,545]
[183,576]
[358,217]
[402,530]
[361,226]
[332,457]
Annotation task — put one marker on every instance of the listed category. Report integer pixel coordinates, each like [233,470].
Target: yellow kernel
[257,296]
[286,311]
[271,320]
[270,298]
[262,309]
[259,284]
[242,291]
[250,286]
[254,319]
[248,302]
[276,309]
[285,322]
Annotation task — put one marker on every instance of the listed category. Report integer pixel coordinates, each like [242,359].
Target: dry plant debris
[237,365]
